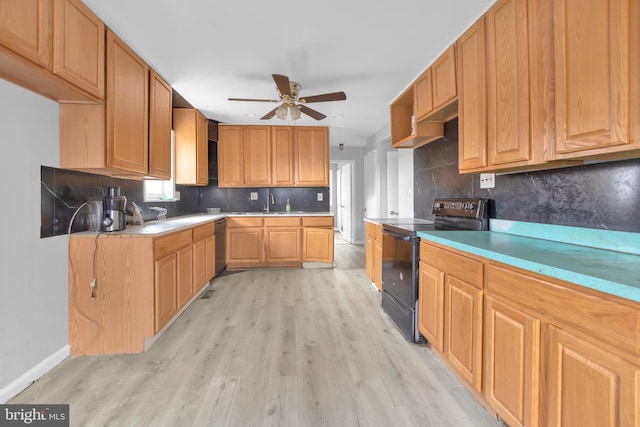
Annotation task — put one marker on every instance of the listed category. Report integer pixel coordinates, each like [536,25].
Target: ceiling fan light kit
[291,105]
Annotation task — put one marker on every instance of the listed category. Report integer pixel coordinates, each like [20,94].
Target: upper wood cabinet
[423,94]
[54,48]
[26,28]
[127,108]
[192,164]
[231,156]
[596,77]
[311,156]
[160,122]
[505,63]
[472,97]
[113,138]
[444,79]
[257,156]
[78,42]
[418,114]
[282,156]
[273,156]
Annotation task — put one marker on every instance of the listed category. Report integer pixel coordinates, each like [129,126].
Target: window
[162,191]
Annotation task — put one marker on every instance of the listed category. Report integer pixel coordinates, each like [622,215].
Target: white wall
[381,142]
[33,271]
[405,183]
[356,154]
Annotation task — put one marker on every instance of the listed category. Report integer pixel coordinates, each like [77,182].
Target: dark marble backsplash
[63,191]
[601,195]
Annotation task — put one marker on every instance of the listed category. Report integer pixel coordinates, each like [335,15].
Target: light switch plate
[320,197]
[254,195]
[487,180]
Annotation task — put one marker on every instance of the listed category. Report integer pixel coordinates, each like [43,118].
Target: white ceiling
[212,50]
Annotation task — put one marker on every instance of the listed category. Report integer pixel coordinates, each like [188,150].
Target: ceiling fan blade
[252,100]
[283,84]
[311,113]
[269,114]
[335,96]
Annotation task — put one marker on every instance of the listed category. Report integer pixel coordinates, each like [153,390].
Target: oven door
[400,266]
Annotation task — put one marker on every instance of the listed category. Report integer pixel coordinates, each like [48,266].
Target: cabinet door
[508,112]
[25,28]
[199,264]
[472,97]
[586,385]
[244,245]
[202,150]
[369,249]
[318,245]
[210,260]
[592,57]
[511,363]
[257,156]
[166,300]
[463,329]
[127,108]
[185,275]
[377,262]
[282,156]
[431,305]
[444,78]
[230,156]
[160,116]
[78,40]
[423,94]
[283,244]
[312,156]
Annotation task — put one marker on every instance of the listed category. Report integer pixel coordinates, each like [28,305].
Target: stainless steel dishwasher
[221,244]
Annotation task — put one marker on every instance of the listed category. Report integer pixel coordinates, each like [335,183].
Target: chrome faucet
[273,201]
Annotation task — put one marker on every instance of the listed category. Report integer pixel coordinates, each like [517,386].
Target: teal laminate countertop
[609,271]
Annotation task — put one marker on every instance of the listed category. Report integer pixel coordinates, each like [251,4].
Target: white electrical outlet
[177,195]
[254,195]
[487,180]
[320,197]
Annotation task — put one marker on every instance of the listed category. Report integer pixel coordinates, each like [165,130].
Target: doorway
[341,190]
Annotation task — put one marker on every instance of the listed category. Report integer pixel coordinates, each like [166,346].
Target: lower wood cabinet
[245,241]
[511,362]
[166,285]
[283,240]
[280,241]
[377,251]
[587,385]
[185,285]
[317,242]
[431,305]
[142,282]
[534,350]
[463,329]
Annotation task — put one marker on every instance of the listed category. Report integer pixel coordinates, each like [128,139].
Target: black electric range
[401,260]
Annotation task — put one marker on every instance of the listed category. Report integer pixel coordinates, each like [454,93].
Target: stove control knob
[469,206]
[437,205]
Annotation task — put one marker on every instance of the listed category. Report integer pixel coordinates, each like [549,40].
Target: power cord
[94,282]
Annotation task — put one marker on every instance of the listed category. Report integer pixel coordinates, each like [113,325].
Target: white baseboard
[33,374]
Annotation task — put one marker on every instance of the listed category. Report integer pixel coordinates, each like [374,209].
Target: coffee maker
[113,214]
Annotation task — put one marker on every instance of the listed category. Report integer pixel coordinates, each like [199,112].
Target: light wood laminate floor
[270,347]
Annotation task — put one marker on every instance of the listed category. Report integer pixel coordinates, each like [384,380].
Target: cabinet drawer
[282,222]
[203,231]
[317,221]
[467,269]
[163,246]
[608,320]
[244,222]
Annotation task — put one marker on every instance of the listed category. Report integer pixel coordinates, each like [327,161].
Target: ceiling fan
[291,103]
